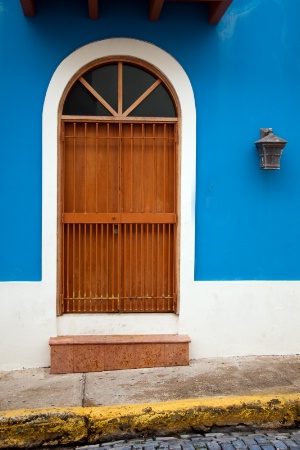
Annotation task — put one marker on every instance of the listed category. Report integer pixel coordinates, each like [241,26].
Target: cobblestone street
[225,440]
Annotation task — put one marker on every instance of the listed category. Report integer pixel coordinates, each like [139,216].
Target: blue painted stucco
[245,73]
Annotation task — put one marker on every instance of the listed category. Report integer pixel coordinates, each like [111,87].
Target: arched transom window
[121,90]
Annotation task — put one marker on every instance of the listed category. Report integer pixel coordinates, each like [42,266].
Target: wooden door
[118,216]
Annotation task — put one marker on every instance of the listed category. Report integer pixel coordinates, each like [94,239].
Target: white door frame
[173,71]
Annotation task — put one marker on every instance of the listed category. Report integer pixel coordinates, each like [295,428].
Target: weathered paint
[25,428]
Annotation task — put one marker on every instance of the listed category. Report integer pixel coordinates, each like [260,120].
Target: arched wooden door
[118,192]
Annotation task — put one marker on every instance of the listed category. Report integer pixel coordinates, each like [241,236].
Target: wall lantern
[270,148]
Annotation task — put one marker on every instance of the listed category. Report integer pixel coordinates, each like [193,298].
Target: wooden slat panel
[119,217]
[150,258]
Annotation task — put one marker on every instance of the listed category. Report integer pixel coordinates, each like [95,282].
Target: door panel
[118,217]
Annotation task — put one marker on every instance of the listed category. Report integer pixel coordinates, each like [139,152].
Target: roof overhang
[216,8]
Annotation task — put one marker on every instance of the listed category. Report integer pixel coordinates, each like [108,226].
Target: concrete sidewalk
[39,408]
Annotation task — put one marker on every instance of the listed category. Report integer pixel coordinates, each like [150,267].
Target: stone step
[97,353]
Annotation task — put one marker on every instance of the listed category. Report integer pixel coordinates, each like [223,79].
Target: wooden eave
[216,8]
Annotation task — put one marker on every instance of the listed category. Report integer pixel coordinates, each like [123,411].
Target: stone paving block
[199,444]
[279,445]
[290,443]
[226,446]
[239,444]
[254,447]
[261,440]
[249,440]
[267,447]
[294,447]
[213,446]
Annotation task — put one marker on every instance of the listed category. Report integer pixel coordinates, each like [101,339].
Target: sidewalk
[37,407]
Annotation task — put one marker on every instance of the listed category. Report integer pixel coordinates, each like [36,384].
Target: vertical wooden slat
[130,261]
[120,88]
[74,167]
[74,262]
[107,167]
[131,167]
[102,271]
[67,262]
[169,260]
[113,262]
[163,261]
[96,158]
[135,260]
[147,268]
[107,266]
[142,170]
[142,265]
[85,167]
[175,167]
[152,268]
[164,170]
[90,268]
[96,293]
[79,264]
[153,170]
[124,262]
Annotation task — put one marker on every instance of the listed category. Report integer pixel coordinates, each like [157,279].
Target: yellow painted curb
[57,426]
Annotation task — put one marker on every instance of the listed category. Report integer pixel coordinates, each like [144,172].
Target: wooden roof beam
[28,7]
[217,10]
[93,6]
[155,7]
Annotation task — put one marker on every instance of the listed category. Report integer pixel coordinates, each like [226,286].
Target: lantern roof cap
[268,137]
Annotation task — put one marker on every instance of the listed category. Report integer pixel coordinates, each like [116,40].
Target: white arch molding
[172,70]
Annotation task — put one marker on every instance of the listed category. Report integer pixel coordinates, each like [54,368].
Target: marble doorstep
[71,354]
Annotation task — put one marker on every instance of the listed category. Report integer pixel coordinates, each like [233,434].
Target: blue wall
[245,73]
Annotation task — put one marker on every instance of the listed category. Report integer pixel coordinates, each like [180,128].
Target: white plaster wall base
[117,324]
[242,318]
